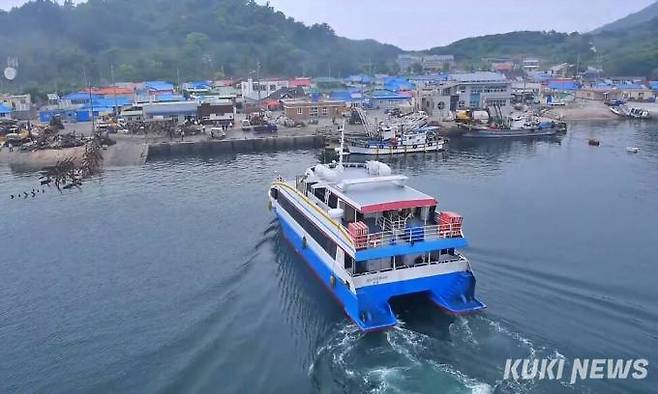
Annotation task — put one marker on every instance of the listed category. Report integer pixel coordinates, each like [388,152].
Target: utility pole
[91,101]
[258,80]
[116,106]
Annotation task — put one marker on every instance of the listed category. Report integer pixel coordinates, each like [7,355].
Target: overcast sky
[421,24]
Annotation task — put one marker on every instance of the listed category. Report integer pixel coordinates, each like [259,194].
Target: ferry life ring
[415,146]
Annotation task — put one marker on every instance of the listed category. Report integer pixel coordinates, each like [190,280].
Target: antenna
[342,144]
[12,69]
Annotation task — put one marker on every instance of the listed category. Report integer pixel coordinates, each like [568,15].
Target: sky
[422,24]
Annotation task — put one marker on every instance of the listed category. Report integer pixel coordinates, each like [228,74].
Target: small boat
[593,142]
[370,238]
[639,113]
[632,149]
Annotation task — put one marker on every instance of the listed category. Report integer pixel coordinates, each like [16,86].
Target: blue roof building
[5,112]
[158,87]
[653,85]
[80,97]
[383,98]
[563,85]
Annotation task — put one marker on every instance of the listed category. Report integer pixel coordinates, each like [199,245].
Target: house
[635,92]
[481,89]
[383,98]
[653,85]
[600,92]
[530,64]
[257,90]
[176,110]
[502,67]
[562,85]
[5,112]
[465,91]
[304,109]
[351,97]
[20,105]
[197,87]
[155,88]
[220,111]
[300,82]
[428,63]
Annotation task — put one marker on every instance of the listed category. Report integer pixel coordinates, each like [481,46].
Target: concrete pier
[165,150]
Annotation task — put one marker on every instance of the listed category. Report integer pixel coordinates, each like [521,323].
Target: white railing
[398,236]
[443,259]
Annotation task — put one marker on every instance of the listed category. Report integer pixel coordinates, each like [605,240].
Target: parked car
[266,128]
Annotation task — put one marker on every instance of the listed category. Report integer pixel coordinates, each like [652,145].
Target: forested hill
[644,15]
[164,39]
[627,51]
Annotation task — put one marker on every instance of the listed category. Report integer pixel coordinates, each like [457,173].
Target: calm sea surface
[174,277]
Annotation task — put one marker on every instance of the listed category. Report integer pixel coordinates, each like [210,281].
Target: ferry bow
[369,237]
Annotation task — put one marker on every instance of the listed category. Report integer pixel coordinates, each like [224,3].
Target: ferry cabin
[370,237]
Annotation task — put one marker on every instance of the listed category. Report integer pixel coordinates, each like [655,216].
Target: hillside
[161,39]
[644,15]
[629,51]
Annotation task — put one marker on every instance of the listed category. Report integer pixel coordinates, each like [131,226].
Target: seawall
[165,150]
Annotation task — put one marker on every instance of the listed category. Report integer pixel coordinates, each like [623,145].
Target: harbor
[252,196]
[168,222]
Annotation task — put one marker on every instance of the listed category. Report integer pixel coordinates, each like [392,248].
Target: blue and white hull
[365,298]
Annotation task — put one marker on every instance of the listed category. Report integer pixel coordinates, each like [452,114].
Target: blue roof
[198,85]
[79,96]
[387,94]
[539,76]
[4,109]
[158,85]
[653,85]
[169,97]
[631,86]
[360,78]
[562,85]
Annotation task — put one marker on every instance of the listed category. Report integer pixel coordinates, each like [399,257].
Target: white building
[466,91]
[530,64]
[430,63]
[250,88]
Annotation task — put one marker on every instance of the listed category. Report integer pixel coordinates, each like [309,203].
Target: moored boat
[423,139]
[369,237]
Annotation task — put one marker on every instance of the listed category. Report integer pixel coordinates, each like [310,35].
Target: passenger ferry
[369,237]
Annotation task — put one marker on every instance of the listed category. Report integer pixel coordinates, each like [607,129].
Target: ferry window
[319,193]
[333,201]
[349,263]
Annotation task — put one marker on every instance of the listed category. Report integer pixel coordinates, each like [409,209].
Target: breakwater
[192,148]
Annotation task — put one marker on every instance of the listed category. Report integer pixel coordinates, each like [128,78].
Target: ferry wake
[369,237]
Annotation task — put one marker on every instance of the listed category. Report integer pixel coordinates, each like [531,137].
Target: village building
[257,90]
[5,112]
[465,91]
[428,63]
[304,110]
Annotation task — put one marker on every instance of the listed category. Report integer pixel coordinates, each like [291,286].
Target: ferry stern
[369,238]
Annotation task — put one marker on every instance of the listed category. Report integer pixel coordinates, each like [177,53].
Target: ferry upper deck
[377,212]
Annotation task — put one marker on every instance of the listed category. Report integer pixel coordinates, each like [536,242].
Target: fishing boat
[422,139]
[369,237]
[515,127]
